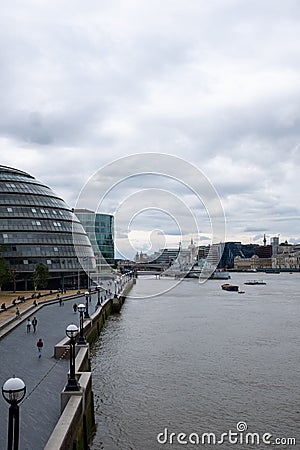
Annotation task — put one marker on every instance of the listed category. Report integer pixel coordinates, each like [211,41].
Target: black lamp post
[71,332]
[13,391]
[81,339]
[98,292]
[86,312]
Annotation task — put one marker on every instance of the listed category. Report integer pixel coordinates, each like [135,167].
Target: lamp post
[98,292]
[81,339]
[86,312]
[13,391]
[71,332]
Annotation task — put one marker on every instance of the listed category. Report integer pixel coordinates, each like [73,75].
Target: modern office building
[36,226]
[100,230]
[275,244]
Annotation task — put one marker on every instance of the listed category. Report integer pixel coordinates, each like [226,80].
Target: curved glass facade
[36,226]
[100,230]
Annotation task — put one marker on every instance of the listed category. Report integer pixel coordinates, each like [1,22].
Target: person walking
[40,345]
[75,307]
[28,325]
[17,313]
[34,324]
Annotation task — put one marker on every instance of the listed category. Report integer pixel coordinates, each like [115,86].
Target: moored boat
[254,282]
[219,275]
[229,287]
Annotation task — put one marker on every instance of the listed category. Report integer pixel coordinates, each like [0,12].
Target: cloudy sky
[216,83]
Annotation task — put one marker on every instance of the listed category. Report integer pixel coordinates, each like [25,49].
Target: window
[55,249]
[9,209]
[36,222]
[5,236]
[57,224]
[25,261]
[33,210]
[49,262]
[43,211]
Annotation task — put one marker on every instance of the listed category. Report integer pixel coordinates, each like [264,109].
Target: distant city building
[141,257]
[253,263]
[275,244]
[165,256]
[288,257]
[100,230]
[36,226]
[263,251]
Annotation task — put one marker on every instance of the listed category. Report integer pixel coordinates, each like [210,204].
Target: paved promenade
[44,378]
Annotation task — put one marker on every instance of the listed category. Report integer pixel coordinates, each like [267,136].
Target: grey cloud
[215,83]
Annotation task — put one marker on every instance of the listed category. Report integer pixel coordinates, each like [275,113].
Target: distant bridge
[149,272]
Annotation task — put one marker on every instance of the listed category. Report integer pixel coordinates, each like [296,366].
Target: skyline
[213,84]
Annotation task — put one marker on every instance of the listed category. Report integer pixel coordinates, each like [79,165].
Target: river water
[198,359]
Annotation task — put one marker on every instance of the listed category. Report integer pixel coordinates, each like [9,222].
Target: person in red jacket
[40,345]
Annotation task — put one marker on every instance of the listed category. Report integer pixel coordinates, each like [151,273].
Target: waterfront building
[36,226]
[253,263]
[288,257]
[100,230]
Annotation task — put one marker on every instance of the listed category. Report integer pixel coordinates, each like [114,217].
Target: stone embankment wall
[76,424]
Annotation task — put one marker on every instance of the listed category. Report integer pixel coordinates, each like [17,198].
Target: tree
[13,278]
[40,276]
[5,274]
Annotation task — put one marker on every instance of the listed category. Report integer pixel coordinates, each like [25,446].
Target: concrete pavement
[44,378]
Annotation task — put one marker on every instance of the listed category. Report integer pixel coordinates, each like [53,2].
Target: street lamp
[81,339]
[71,332]
[86,312]
[13,391]
[98,292]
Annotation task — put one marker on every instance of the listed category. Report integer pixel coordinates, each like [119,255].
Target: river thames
[198,360]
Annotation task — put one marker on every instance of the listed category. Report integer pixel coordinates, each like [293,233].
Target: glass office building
[100,230]
[36,226]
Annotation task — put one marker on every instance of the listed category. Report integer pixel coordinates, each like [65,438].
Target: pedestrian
[34,324]
[40,345]
[59,299]
[75,307]
[17,313]
[28,325]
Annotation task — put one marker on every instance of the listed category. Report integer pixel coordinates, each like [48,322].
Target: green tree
[40,276]
[5,273]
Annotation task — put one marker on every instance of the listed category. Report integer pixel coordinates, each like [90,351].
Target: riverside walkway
[45,378]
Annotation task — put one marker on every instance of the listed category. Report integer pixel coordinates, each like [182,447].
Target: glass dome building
[36,226]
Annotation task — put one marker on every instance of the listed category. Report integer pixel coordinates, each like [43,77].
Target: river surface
[198,359]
